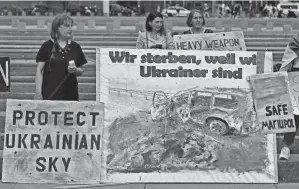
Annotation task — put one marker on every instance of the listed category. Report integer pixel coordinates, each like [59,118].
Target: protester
[177,6]
[271,14]
[223,9]
[196,22]
[290,63]
[155,36]
[206,11]
[59,62]
[219,10]
[228,11]
[268,9]
[251,10]
[237,10]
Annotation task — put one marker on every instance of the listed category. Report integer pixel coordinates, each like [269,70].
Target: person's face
[197,20]
[65,30]
[156,24]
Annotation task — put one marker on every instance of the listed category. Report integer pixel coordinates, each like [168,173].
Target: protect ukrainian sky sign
[52,142]
[182,116]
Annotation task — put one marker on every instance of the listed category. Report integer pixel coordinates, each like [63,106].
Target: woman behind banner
[290,63]
[155,36]
[196,22]
[59,62]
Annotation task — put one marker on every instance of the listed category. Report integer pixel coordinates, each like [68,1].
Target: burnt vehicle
[219,111]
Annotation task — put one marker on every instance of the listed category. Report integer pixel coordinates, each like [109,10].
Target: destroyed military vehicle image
[217,111]
[191,130]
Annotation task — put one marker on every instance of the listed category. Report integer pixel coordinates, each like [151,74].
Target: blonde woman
[59,62]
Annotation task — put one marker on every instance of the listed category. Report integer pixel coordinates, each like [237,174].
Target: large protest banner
[233,41]
[273,102]
[182,116]
[52,142]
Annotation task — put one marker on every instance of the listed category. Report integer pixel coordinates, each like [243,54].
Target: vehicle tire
[170,15]
[217,126]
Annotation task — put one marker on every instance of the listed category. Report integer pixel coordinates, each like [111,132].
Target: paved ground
[133,28]
[153,186]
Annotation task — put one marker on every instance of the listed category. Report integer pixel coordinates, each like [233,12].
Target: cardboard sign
[4,74]
[52,142]
[273,102]
[232,41]
[179,116]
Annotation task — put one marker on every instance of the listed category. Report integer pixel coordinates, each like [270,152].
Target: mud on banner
[52,142]
[182,116]
[211,41]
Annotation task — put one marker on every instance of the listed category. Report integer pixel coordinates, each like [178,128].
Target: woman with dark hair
[155,36]
[196,22]
[59,62]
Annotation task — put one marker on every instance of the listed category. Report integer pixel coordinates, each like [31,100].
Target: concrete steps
[29,87]
[76,33]
[30,95]
[30,54]
[24,45]
[31,79]
[128,21]
[27,68]
[129,33]
[92,44]
[76,38]
[82,43]
[124,36]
